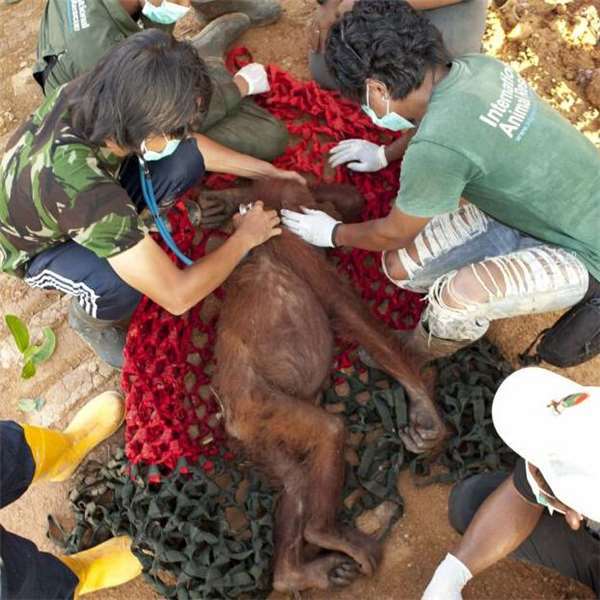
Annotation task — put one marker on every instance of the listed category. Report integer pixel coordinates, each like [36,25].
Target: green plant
[33,355]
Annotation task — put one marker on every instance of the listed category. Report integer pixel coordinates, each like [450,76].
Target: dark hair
[147,85]
[386,40]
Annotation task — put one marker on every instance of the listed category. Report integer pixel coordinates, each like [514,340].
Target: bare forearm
[502,523]
[370,235]
[220,159]
[396,150]
[202,278]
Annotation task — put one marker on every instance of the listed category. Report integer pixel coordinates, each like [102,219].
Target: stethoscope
[150,199]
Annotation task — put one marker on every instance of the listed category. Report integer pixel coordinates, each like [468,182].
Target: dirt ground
[554,44]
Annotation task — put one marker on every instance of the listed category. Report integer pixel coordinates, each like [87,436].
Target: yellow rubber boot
[58,453]
[107,565]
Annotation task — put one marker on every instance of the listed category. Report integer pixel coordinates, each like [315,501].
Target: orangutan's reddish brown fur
[274,353]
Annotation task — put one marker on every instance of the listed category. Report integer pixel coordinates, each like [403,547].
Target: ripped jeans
[474,269]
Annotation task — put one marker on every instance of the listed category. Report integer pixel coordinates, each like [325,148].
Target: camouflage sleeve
[97,212]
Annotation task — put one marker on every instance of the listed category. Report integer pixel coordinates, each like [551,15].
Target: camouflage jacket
[54,188]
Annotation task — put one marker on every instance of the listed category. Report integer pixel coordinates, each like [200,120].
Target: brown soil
[553,44]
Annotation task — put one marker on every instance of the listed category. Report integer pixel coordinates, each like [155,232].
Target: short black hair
[386,40]
[148,84]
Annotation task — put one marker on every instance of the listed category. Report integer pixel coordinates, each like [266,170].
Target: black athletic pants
[553,543]
[25,572]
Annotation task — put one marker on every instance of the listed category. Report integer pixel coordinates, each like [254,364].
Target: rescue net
[201,520]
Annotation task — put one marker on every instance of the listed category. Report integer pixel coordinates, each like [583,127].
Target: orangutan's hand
[425,429]
[257,225]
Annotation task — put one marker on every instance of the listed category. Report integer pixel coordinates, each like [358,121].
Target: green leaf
[28,370]
[19,332]
[11,1]
[27,405]
[46,349]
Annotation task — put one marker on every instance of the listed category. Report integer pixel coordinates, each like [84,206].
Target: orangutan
[274,352]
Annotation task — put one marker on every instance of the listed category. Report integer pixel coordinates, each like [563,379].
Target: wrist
[241,84]
[335,235]
[242,243]
[382,156]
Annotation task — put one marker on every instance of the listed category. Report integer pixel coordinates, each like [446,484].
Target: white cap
[554,423]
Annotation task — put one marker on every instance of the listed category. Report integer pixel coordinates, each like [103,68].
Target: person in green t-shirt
[498,212]
[75,35]
[71,188]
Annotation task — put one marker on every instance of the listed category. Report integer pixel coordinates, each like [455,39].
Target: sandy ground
[553,44]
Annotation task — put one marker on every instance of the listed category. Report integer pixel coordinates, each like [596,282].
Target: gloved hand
[314,226]
[449,579]
[366,157]
[255,76]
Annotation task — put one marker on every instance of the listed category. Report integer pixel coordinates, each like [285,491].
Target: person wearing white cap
[548,511]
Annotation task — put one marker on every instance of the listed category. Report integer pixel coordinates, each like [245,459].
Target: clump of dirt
[554,46]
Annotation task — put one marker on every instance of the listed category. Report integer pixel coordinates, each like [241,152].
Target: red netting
[171,412]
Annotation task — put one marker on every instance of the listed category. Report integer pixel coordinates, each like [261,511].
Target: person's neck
[440,72]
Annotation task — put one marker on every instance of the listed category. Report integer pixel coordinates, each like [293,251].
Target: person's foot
[57,454]
[107,565]
[260,12]
[214,40]
[105,338]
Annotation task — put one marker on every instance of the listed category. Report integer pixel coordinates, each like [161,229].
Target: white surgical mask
[390,120]
[169,148]
[166,13]
[540,496]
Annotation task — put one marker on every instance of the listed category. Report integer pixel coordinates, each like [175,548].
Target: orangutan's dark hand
[215,211]
[425,428]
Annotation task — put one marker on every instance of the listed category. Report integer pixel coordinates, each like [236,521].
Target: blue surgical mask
[390,120]
[170,147]
[166,14]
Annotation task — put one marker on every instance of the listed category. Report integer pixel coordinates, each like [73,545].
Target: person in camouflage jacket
[70,190]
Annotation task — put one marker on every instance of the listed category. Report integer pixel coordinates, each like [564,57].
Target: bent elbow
[177,305]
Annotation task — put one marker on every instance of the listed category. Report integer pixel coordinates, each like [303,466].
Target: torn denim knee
[536,280]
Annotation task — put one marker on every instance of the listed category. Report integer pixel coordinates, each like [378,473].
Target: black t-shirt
[523,487]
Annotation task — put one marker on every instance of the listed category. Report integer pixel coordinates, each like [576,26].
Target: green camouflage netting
[211,536]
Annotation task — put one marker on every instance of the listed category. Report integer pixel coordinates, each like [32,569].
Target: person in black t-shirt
[548,511]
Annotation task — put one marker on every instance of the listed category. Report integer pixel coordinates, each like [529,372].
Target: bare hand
[325,16]
[257,225]
[291,175]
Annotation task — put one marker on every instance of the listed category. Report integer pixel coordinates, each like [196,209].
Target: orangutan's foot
[326,572]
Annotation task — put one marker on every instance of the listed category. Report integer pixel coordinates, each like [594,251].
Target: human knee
[116,302]
[187,169]
[472,285]
[276,138]
[460,513]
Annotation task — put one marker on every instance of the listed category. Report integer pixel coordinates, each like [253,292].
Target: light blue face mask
[171,146]
[167,13]
[390,120]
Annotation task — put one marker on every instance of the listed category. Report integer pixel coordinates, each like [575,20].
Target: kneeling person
[75,36]
[70,188]
[548,511]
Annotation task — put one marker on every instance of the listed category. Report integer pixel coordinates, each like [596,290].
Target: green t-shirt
[55,188]
[79,33]
[487,136]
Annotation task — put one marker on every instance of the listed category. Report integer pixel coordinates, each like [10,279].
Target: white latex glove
[314,226]
[366,157]
[449,579]
[256,77]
